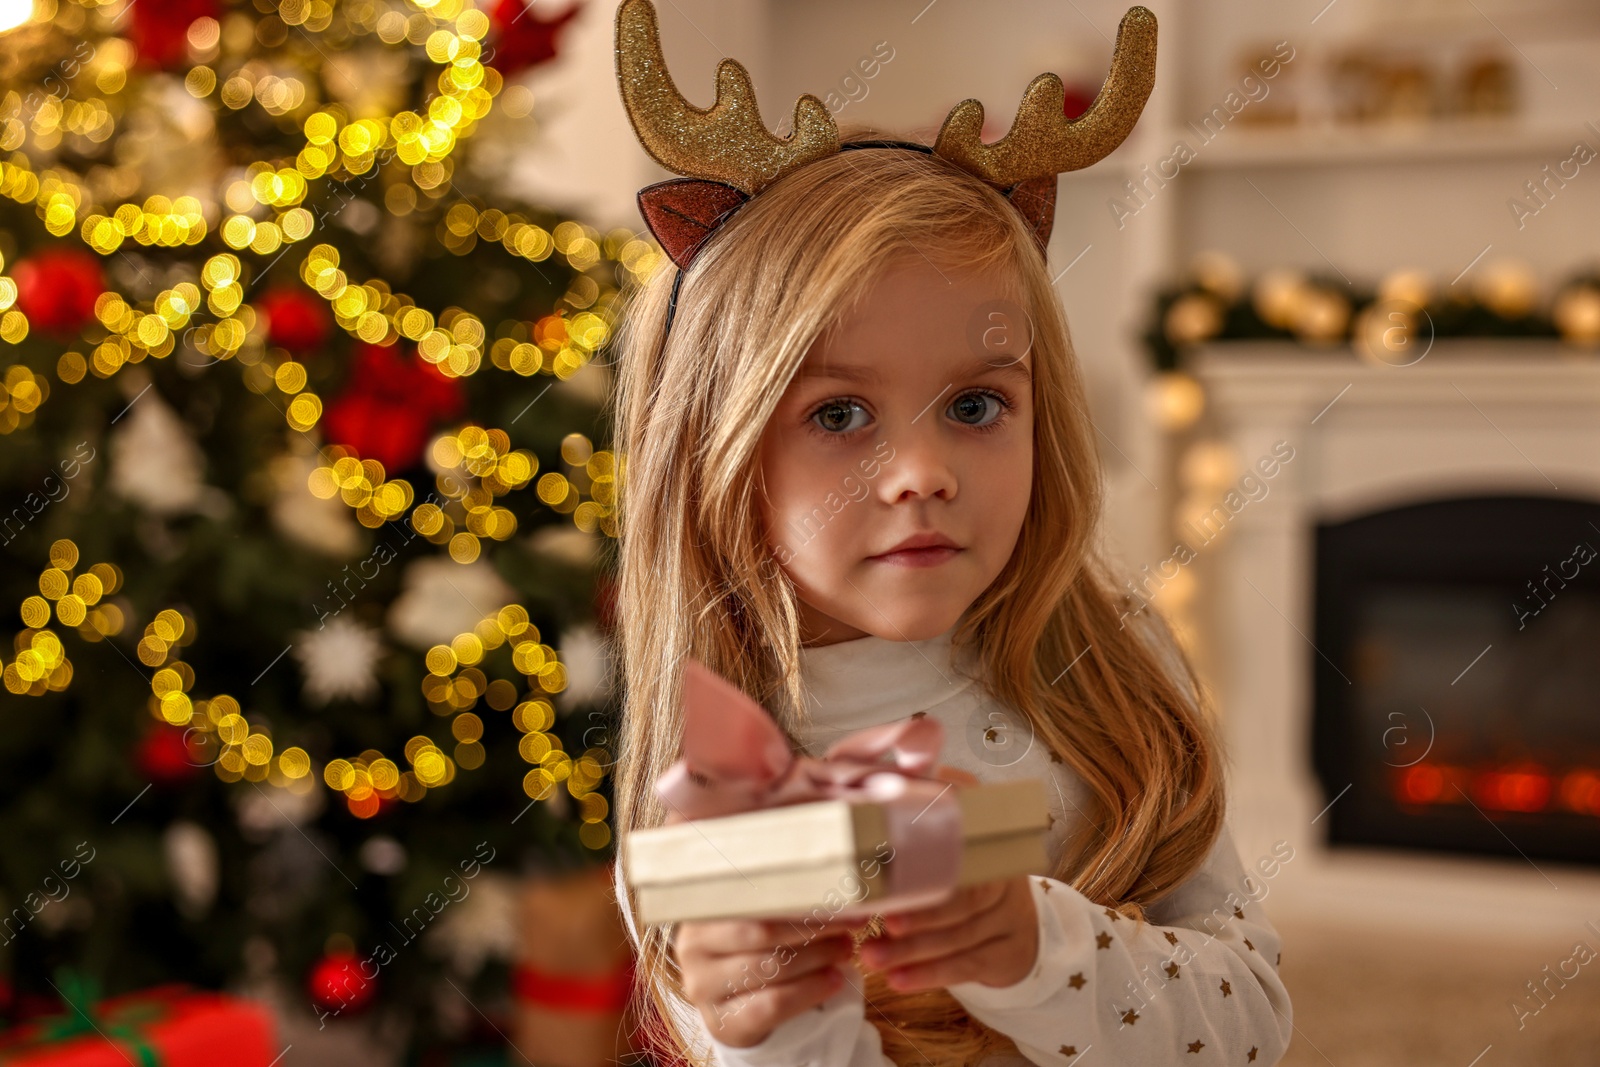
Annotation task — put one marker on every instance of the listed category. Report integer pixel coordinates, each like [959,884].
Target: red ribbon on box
[576,993]
[735,759]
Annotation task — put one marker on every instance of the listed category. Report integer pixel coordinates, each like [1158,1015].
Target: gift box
[170,1026]
[755,831]
[572,975]
[831,855]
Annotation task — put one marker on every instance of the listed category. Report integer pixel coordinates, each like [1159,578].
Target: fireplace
[1432,484]
[1456,677]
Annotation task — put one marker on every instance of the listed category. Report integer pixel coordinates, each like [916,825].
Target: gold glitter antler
[725,142]
[1042,141]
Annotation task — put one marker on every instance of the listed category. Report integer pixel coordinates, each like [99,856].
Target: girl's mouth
[917,557]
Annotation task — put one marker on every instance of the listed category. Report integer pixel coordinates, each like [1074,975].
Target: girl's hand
[747,976]
[984,933]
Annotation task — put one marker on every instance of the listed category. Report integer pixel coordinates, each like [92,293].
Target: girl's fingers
[948,970]
[885,953]
[960,908]
[692,940]
[747,1019]
[804,930]
[713,979]
[724,937]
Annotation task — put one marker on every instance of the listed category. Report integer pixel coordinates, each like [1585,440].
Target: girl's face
[911,419]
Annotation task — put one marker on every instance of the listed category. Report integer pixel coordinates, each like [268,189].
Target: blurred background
[307,500]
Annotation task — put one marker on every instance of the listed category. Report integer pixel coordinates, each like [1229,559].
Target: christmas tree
[304,506]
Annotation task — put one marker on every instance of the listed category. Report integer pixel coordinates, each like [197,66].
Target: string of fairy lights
[476,467]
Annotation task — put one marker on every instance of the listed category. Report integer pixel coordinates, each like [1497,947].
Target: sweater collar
[869,680]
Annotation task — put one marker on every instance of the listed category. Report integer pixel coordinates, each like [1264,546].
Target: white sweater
[1196,985]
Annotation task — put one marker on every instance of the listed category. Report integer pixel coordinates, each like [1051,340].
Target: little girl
[859,482]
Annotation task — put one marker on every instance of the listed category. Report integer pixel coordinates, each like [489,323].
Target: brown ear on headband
[683,212]
[1036,200]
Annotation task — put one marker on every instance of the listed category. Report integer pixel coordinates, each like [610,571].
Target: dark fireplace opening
[1457,677]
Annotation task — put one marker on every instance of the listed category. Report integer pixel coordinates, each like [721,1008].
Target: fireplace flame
[1519,787]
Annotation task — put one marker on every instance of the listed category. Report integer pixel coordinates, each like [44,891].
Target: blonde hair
[694,576]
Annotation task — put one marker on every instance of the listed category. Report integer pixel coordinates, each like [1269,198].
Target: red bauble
[337,982]
[160,31]
[393,436]
[522,39]
[163,757]
[390,404]
[295,319]
[57,288]
[1078,100]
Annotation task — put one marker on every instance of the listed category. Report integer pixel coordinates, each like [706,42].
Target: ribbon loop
[735,759]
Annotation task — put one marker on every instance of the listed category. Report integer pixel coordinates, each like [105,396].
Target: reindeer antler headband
[730,156]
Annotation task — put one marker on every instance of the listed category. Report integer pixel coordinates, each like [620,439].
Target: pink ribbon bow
[735,759]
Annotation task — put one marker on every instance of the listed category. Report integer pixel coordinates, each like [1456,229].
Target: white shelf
[1278,374]
[1237,146]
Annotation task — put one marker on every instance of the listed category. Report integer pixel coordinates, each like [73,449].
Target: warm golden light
[14,13]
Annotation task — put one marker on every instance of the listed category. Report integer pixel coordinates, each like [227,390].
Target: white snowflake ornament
[339,661]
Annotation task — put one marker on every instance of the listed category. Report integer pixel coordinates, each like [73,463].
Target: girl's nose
[921,466]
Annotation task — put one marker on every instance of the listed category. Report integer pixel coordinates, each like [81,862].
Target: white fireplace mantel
[1468,419]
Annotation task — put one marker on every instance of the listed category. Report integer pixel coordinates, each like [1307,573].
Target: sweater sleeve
[1197,984]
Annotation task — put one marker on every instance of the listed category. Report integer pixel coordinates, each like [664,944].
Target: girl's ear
[1035,199]
[683,212]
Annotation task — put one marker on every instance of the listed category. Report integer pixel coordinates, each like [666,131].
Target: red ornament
[338,982]
[390,404]
[160,31]
[163,756]
[295,319]
[522,39]
[1078,99]
[57,288]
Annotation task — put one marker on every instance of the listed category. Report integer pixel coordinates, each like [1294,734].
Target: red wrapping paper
[185,1028]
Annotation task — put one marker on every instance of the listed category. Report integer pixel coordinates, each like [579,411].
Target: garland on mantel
[1215,302]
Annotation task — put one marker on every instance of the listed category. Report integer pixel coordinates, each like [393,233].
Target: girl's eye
[970,409]
[836,416]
